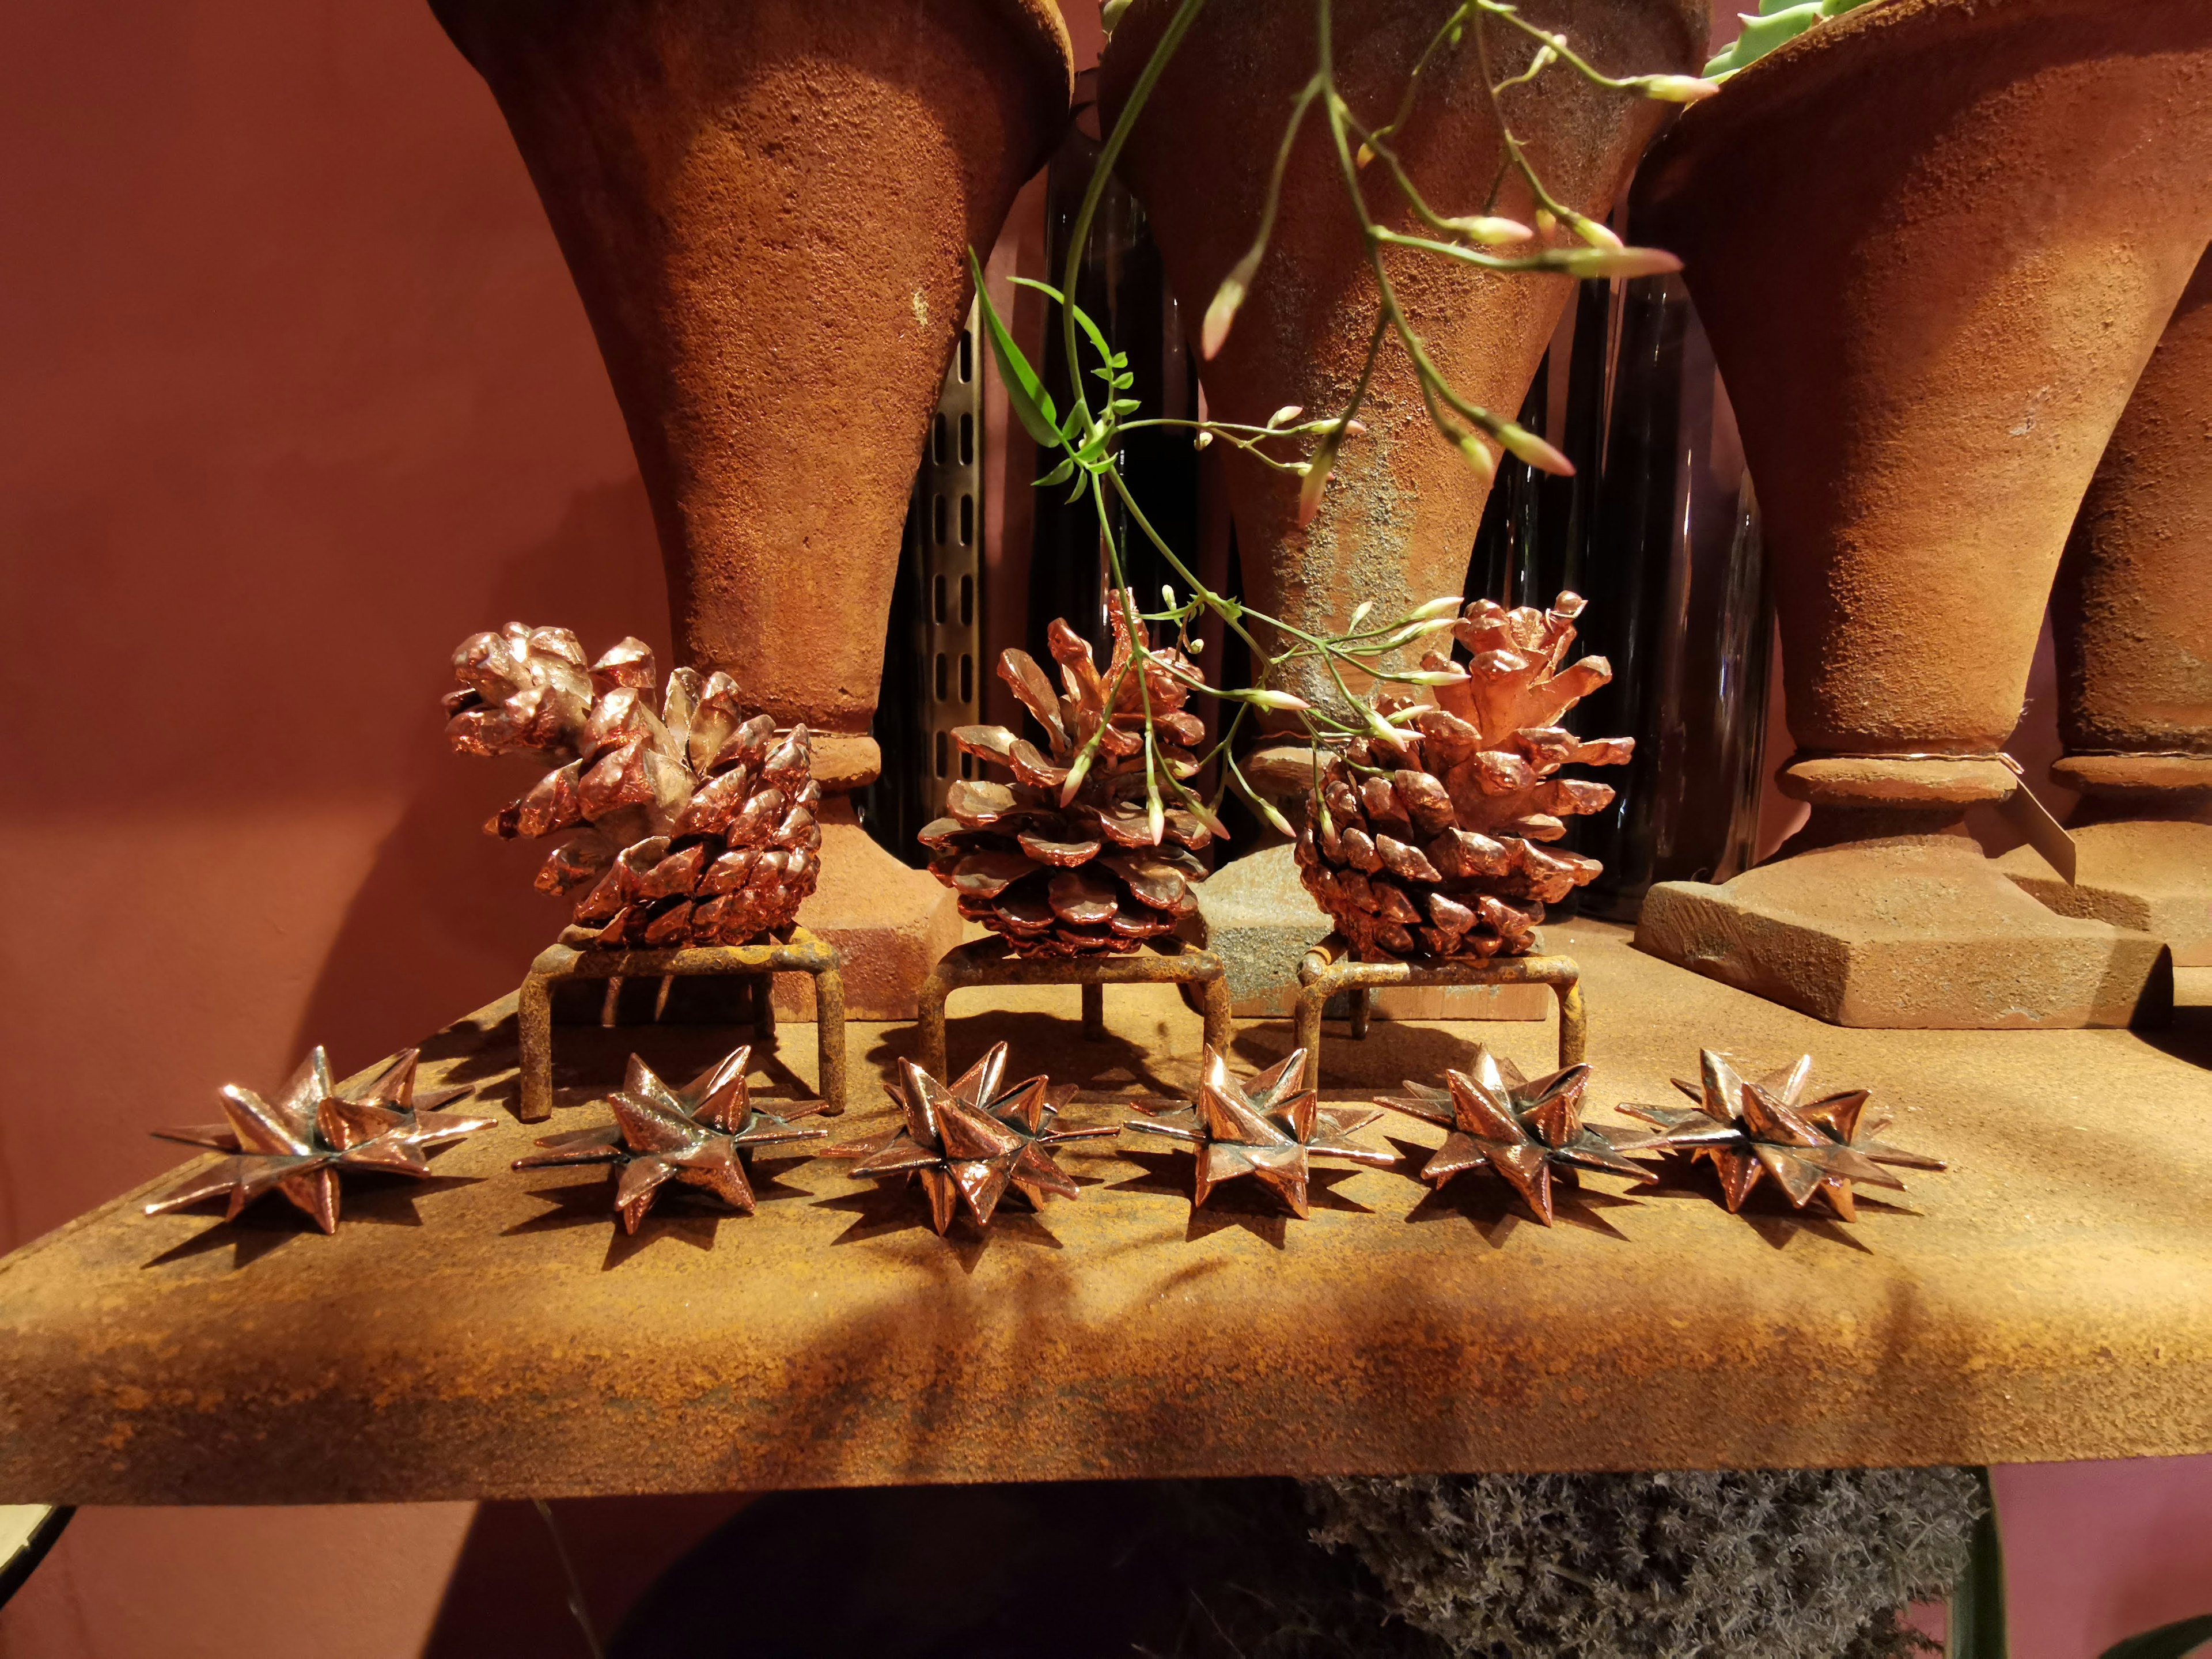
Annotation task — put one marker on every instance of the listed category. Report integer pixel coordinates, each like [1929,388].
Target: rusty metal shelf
[490,1334]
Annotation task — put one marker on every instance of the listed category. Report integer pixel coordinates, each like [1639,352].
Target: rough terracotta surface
[2132,621]
[2153,875]
[2050,1297]
[890,924]
[767,208]
[1933,243]
[1402,511]
[2132,614]
[1910,932]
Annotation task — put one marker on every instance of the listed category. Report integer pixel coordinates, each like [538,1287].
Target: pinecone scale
[1431,842]
[1096,875]
[687,820]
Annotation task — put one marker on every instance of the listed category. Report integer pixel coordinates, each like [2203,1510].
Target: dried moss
[1782,1564]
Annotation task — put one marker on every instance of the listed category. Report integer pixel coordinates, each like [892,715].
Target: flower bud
[1490,230]
[1528,447]
[1445,605]
[1285,700]
[1675,89]
[1075,776]
[1284,415]
[1618,262]
[1597,234]
[1358,615]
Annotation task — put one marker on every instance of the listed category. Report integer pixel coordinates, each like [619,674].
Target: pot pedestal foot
[1915,932]
[888,923]
[2151,876]
[1258,918]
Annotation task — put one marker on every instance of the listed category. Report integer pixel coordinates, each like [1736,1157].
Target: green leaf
[1045,289]
[1031,403]
[1123,406]
[1059,474]
[1122,382]
[1097,340]
[1978,1599]
[2167,1642]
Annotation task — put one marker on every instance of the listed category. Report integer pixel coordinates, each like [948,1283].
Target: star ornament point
[1767,1129]
[297,1142]
[968,1142]
[1269,1127]
[699,1135]
[1493,1116]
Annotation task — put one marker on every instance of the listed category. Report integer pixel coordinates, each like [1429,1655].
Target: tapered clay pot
[767,206]
[2132,619]
[1400,514]
[1397,520]
[1933,243]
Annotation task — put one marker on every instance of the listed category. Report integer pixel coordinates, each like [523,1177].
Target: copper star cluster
[699,1135]
[1495,1116]
[1767,1128]
[1269,1127]
[297,1144]
[968,1143]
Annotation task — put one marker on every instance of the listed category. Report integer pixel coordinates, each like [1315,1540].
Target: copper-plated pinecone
[1426,844]
[687,822]
[1097,874]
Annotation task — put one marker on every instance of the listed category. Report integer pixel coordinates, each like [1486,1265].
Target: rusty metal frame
[989,962]
[1328,967]
[803,954]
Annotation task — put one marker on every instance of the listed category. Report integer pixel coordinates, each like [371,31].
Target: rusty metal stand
[802,954]
[989,962]
[1328,968]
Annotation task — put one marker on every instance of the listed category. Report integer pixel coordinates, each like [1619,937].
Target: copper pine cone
[687,823]
[1092,876]
[1426,844]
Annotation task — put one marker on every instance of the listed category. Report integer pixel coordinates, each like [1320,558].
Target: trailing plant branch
[1085,438]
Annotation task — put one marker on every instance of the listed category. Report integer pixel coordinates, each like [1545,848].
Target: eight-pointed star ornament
[1495,1115]
[1268,1127]
[297,1143]
[699,1134]
[968,1142]
[1750,1129]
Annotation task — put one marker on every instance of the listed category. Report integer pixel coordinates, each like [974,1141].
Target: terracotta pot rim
[1803,69]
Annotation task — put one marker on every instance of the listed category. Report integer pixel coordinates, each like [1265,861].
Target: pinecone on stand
[1095,875]
[687,821]
[1427,843]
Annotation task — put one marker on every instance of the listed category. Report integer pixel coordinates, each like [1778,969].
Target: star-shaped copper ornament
[970,1142]
[699,1134]
[1269,1127]
[1750,1129]
[1494,1115]
[297,1143]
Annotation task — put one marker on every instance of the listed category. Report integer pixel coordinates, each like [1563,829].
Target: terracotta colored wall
[294,393]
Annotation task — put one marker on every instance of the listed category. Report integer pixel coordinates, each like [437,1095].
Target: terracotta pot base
[2151,876]
[1256,915]
[1909,933]
[890,923]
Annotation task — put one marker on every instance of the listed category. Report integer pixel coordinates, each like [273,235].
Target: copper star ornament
[1494,1115]
[1750,1129]
[968,1142]
[1269,1127]
[297,1143]
[699,1135]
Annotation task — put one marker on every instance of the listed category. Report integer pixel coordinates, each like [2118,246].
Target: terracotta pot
[1399,518]
[2132,619]
[767,206]
[2133,613]
[1933,243]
